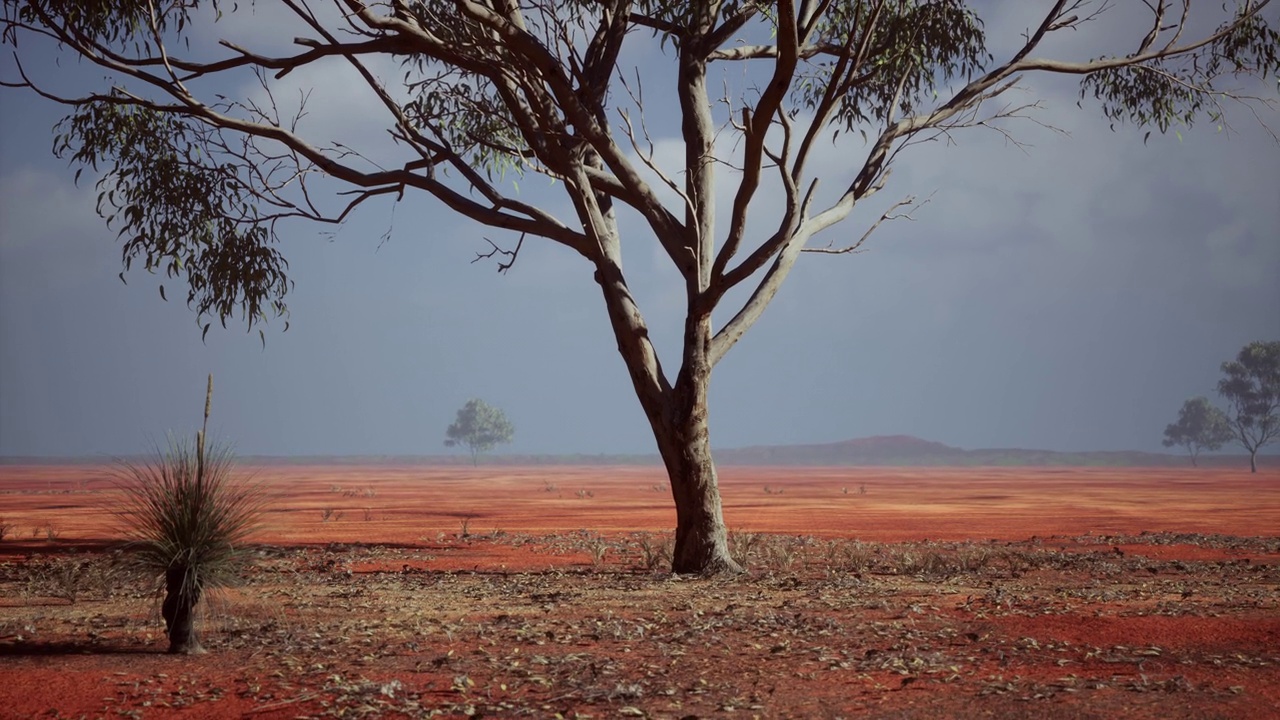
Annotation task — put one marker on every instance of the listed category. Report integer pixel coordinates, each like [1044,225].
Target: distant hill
[882,450]
[907,450]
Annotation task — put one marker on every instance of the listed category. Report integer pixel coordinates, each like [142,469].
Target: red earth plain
[418,591]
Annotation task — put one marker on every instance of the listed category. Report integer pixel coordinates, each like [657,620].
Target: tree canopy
[479,427]
[1200,426]
[1251,386]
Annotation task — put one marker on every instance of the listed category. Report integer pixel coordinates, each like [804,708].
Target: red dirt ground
[409,503]
[1057,593]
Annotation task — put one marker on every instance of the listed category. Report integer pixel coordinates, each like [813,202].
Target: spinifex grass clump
[188,516]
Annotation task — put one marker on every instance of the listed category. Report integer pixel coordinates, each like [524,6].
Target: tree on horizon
[479,428]
[1251,387]
[1200,426]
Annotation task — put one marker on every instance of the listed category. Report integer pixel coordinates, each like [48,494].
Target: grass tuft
[187,515]
[180,512]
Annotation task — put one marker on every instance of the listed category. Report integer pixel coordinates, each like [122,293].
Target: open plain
[418,591]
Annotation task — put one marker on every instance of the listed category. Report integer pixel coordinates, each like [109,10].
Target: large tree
[1251,387]
[1200,426]
[197,171]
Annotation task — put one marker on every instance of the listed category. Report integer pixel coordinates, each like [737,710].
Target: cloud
[43,214]
[1067,297]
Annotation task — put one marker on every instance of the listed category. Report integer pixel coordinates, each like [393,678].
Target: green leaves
[178,211]
[186,508]
[468,116]
[1253,46]
[1200,426]
[479,427]
[913,49]
[1252,386]
[1165,92]
[126,22]
[1144,95]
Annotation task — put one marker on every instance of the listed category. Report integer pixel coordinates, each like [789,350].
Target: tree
[196,177]
[479,427]
[1200,426]
[1252,389]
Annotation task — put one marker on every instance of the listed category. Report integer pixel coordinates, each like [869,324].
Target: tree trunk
[678,417]
[701,546]
[1253,460]
[179,613]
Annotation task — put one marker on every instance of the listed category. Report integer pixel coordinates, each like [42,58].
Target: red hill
[878,450]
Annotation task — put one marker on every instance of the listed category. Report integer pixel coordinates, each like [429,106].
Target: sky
[1066,295]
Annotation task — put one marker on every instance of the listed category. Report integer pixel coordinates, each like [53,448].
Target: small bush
[741,544]
[187,516]
[849,556]
[655,553]
[776,553]
[973,559]
[598,548]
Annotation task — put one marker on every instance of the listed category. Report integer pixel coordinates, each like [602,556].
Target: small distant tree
[1200,426]
[1252,389]
[479,427]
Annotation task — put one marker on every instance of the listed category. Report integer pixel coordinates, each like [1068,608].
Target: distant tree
[1200,426]
[479,427]
[1252,388]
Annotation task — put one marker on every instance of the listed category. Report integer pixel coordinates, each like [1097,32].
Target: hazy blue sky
[1067,297]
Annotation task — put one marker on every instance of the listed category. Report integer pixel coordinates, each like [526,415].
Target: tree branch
[512,255]
[887,215]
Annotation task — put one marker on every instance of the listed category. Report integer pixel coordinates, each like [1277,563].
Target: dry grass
[818,628]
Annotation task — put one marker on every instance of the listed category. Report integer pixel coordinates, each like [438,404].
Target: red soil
[1133,634]
[408,504]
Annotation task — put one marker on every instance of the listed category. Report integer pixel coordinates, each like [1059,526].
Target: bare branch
[887,215]
[646,154]
[763,52]
[511,255]
[756,122]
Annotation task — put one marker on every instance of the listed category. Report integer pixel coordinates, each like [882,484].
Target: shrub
[741,544]
[655,552]
[598,548]
[187,516]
